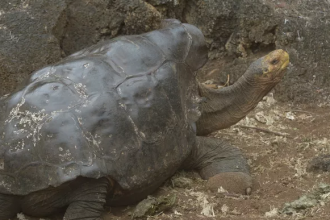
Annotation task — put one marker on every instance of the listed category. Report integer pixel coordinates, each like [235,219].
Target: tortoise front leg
[82,198]
[9,206]
[221,164]
[88,200]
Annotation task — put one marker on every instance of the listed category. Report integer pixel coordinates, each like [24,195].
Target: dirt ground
[279,140]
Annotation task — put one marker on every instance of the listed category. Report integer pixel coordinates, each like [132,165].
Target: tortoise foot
[233,182]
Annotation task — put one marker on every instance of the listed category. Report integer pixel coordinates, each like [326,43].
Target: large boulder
[26,39]
[304,32]
[36,33]
[88,22]
[40,32]
[240,30]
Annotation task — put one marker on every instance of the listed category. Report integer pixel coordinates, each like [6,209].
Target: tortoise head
[269,69]
[228,105]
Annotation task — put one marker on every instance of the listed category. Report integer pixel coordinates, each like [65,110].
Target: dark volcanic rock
[170,8]
[26,39]
[238,31]
[34,34]
[88,22]
[305,34]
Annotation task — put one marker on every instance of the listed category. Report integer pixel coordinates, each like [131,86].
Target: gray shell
[122,108]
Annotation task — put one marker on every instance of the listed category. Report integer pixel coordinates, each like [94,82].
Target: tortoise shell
[123,108]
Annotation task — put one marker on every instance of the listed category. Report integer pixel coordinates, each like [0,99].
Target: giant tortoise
[109,124]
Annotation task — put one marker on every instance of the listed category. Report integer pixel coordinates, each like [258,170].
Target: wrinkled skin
[110,124]
[227,106]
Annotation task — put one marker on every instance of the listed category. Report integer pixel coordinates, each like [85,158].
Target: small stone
[272,213]
[224,209]
[319,164]
[290,116]
[260,117]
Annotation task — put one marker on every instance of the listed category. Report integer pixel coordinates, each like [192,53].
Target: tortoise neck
[227,106]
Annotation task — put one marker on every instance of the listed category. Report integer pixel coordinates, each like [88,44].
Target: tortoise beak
[286,59]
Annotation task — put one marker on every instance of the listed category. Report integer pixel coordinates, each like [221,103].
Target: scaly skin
[227,106]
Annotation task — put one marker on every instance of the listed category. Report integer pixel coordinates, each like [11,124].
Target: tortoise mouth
[286,60]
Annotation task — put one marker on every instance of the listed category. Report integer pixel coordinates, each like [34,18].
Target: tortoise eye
[274,61]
